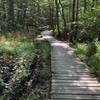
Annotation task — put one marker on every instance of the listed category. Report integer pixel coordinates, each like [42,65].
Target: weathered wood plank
[74,81]
[74,91]
[78,97]
[92,88]
[78,75]
[73,78]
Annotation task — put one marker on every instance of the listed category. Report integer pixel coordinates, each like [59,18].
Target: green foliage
[90,24]
[44,49]
[36,94]
[16,57]
[23,15]
[2,85]
[32,97]
[80,50]
[44,73]
[19,57]
[16,47]
[92,52]
[18,54]
[94,62]
[91,49]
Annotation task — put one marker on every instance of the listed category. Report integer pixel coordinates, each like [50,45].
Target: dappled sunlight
[47,32]
[70,52]
[60,44]
[2,39]
[88,83]
[48,37]
[78,61]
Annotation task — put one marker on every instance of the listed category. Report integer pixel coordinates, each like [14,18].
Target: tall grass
[18,53]
[44,48]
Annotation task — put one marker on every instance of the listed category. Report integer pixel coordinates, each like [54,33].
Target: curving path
[71,79]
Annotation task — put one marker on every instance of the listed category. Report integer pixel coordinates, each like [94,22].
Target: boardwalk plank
[78,97]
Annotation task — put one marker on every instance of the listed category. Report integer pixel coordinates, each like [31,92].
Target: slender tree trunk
[77,19]
[77,11]
[69,12]
[57,17]
[3,16]
[69,15]
[24,12]
[39,12]
[85,5]
[73,13]
[11,14]
[63,15]
[52,14]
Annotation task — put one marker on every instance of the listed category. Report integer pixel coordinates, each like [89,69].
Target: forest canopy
[62,16]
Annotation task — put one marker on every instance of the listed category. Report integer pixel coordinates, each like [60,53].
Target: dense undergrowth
[84,52]
[24,69]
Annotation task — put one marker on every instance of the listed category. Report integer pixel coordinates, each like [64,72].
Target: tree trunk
[11,14]
[57,17]
[77,19]
[63,15]
[73,13]
[85,5]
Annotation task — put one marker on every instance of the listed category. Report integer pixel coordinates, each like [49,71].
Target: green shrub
[94,63]
[32,97]
[91,55]
[91,49]
[89,25]
[80,50]
[44,48]
[18,56]
[43,73]
[2,85]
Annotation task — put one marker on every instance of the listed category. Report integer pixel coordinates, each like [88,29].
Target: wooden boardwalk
[71,79]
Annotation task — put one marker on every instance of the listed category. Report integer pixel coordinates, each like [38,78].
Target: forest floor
[71,78]
[24,68]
